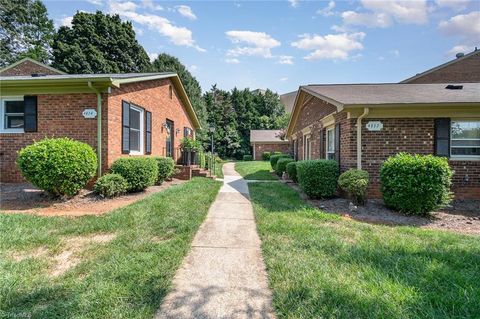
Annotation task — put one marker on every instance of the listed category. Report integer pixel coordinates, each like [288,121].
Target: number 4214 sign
[374,126]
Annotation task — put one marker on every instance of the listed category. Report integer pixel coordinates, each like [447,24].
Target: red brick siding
[272,147]
[28,68]
[466,70]
[313,110]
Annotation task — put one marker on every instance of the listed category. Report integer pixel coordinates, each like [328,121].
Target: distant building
[268,141]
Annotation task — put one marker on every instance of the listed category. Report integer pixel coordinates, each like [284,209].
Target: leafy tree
[98,43]
[25,31]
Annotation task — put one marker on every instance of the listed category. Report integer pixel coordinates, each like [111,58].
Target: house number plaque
[374,126]
[89,113]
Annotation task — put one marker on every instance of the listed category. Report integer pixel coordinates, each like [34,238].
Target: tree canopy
[98,43]
[25,31]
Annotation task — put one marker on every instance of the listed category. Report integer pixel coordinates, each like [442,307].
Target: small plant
[354,182]
[282,165]
[266,156]
[416,184]
[292,171]
[110,185]
[318,178]
[189,144]
[247,157]
[202,160]
[166,167]
[139,172]
[274,159]
[59,166]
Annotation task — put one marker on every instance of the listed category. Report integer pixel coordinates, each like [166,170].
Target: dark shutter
[321,143]
[442,137]
[30,113]
[125,127]
[337,143]
[148,132]
[185,131]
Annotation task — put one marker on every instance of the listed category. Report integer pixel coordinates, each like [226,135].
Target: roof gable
[28,66]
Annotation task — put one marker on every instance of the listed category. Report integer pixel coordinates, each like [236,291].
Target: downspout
[359,137]
[99,128]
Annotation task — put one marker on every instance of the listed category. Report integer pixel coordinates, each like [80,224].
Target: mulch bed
[462,216]
[24,198]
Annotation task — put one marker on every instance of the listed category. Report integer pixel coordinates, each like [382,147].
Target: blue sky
[283,44]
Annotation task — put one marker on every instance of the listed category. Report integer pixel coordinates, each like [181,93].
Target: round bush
[266,156]
[247,157]
[416,184]
[318,178]
[282,165]
[274,159]
[110,185]
[59,166]
[354,182]
[166,166]
[139,172]
[292,171]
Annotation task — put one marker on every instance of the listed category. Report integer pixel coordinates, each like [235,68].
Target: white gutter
[359,137]
[99,129]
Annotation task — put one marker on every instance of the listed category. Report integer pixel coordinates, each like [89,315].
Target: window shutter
[442,137]
[125,127]
[30,113]
[321,144]
[337,143]
[148,132]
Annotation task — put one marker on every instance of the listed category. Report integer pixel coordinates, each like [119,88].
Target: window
[136,130]
[12,112]
[465,139]
[330,145]
[187,132]
[306,147]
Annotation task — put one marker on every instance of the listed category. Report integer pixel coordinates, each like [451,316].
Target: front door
[170,139]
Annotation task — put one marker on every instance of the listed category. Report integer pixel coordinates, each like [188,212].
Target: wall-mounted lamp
[177,131]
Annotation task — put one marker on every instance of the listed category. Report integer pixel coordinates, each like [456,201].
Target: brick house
[267,141]
[360,125]
[125,114]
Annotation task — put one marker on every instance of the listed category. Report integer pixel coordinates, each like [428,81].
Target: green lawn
[126,277]
[322,266]
[218,169]
[255,170]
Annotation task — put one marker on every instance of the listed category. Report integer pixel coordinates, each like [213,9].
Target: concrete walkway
[223,276]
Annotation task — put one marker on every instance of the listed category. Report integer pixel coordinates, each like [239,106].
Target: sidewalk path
[223,276]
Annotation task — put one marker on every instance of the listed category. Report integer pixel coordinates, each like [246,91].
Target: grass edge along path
[255,170]
[124,278]
[322,266]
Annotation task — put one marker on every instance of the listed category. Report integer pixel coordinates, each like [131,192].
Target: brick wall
[28,68]
[272,147]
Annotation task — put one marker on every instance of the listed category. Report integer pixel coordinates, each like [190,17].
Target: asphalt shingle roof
[86,76]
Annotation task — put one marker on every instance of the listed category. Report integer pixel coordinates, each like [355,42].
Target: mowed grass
[322,266]
[255,170]
[126,277]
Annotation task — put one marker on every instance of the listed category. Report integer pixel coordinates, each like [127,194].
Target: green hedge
[416,184]
[282,165]
[166,166]
[274,159]
[111,185]
[247,157]
[318,178]
[139,172]
[355,183]
[266,156]
[59,166]
[292,171]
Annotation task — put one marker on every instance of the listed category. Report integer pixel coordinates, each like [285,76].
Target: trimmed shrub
[202,160]
[416,184]
[247,157]
[266,156]
[59,166]
[166,167]
[282,165]
[354,182]
[139,172]
[274,159]
[318,178]
[292,171]
[110,185]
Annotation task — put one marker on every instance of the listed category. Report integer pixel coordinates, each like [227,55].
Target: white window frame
[462,157]
[3,129]
[307,147]
[327,151]
[142,131]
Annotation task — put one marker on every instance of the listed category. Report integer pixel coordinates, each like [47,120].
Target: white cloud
[459,49]
[327,11]
[138,31]
[285,59]
[464,26]
[180,36]
[66,22]
[374,20]
[395,53]
[96,2]
[232,60]
[152,56]
[149,4]
[250,43]
[330,46]
[186,12]
[193,68]
[284,79]
[457,5]
[294,3]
